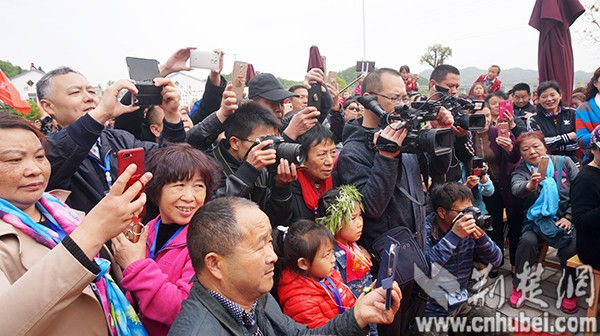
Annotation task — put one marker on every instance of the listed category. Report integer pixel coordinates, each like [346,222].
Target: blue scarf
[546,205]
[121,317]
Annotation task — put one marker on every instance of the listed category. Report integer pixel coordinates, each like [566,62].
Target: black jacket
[74,169]
[211,100]
[243,180]
[555,134]
[201,314]
[379,180]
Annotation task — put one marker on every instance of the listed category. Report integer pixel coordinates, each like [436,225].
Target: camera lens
[292,152]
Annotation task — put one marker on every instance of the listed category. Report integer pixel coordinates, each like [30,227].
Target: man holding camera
[83,152]
[249,160]
[455,234]
[389,180]
[445,80]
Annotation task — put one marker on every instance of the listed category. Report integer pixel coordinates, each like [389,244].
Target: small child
[339,209]
[311,291]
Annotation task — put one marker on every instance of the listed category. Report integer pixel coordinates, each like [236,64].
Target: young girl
[311,291]
[340,211]
[478,91]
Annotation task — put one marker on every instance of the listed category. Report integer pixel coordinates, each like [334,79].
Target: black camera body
[483,221]
[46,125]
[293,152]
[457,106]
[418,139]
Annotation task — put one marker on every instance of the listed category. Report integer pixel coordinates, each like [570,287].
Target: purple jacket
[507,162]
[160,286]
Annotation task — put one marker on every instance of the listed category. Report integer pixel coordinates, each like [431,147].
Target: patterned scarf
[357,264]
[310,194]
[121,317]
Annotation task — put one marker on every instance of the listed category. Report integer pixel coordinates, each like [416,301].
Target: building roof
[28,72]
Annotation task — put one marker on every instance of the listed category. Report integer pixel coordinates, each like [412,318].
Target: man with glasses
[249,163]
[445,80]
[453,239]
[388,179]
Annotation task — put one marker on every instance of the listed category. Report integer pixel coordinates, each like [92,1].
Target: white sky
[275,36]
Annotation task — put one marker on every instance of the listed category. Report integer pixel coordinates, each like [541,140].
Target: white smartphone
[204,59]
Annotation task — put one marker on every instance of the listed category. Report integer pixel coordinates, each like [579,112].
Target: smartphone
[504,107]
[143,71]
[543,166]
[204,59]
[503,130]
[238,79]
[477,165]
[126,157]
[315,95]
[387,283]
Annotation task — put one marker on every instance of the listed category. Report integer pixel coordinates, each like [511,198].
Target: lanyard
[105,168]
[153,251]
[336,294]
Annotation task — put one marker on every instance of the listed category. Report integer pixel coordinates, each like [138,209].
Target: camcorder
[460,108]
[483,221]
[46,125]
[293,152]
[436,141]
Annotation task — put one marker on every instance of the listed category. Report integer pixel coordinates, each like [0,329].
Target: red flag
[10,95]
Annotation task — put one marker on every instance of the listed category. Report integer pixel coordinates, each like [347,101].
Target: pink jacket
[160,286]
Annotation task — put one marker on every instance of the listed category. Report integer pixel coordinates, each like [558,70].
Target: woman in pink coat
[157,269]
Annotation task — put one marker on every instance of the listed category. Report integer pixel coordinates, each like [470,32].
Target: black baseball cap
[267,86]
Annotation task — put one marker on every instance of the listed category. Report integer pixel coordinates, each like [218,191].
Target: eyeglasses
[404,99]
[353,108]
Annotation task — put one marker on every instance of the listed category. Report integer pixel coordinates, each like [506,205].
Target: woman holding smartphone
[55,278]
[557,122]
[543,183]
[157,269]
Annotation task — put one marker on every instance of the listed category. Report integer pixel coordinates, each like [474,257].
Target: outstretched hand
[176,62]
[370,308]
[113,214]
[109,106]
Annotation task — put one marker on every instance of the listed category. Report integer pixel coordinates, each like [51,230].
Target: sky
[94,37]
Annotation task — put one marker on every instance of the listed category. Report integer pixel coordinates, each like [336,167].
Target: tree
[592,16]
[9,69]
[436,55]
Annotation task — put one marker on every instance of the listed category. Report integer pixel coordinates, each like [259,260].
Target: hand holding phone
[126,157]
[503,130]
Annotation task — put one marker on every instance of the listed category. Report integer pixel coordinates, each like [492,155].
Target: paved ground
[550,278]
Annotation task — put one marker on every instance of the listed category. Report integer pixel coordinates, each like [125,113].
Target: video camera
[437,141]
[457,106]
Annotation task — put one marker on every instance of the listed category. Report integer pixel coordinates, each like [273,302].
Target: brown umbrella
[314,59]
[250,73]
[552,18]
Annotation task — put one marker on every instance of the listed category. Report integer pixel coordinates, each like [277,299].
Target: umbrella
[552,18]
[250,72]
[10,95]
[314,59]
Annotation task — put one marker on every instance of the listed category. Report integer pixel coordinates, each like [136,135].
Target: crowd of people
[254,219]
